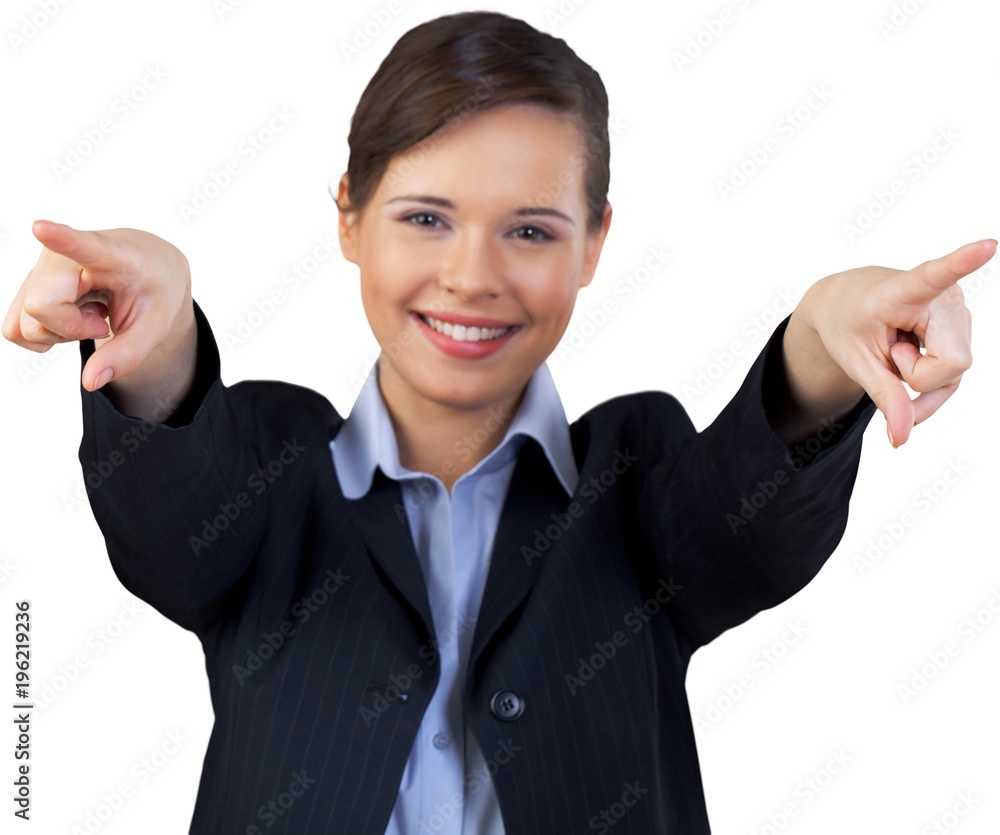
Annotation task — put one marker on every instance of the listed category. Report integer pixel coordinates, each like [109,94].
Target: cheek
[553,294]
[384,279]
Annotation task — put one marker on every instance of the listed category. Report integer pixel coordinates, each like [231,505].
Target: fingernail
[103,378]
[889,432]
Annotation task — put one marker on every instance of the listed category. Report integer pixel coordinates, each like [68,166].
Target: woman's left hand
[865,327]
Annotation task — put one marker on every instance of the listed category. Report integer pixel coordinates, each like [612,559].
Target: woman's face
[472,250]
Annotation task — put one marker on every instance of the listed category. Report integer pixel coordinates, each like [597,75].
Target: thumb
[890,396]
[123,353]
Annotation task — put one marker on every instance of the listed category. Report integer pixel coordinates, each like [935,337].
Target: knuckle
[962,359]
[129,359]
[35,304]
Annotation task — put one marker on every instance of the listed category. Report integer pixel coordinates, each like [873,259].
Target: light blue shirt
[453,537]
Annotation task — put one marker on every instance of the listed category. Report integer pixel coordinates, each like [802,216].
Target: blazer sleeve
[170,497]
[738,520]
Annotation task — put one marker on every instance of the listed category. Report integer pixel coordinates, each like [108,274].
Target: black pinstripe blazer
[314,618]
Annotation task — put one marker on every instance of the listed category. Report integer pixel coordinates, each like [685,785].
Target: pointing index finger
[927,281]
[88,249]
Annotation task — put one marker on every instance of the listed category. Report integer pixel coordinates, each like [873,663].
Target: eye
[421,219]
[533,233]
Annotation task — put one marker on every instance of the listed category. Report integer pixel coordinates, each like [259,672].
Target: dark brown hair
[453,66]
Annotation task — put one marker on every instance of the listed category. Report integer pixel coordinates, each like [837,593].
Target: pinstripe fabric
[230,521]
[447,788]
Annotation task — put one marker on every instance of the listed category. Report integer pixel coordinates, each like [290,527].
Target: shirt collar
[366,439]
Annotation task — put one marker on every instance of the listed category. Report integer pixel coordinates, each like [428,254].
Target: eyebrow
[524,211]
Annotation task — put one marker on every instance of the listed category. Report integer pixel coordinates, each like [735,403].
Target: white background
[682,128]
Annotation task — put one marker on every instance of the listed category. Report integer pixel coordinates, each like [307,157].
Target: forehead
[516,151]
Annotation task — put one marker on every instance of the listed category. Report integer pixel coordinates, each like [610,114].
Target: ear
[595,243]
[346,224]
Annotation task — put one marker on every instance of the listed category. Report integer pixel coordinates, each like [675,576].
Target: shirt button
[506,704]
[441,740]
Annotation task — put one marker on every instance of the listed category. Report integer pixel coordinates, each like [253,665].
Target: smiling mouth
[465,333]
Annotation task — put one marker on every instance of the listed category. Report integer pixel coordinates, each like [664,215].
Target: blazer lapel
[534,494]
[380,517]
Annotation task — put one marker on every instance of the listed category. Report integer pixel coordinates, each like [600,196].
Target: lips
[465,337]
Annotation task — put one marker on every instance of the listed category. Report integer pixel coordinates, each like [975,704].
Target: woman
[452,611]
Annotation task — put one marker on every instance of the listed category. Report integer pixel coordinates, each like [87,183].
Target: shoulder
[276,407]
[653,421]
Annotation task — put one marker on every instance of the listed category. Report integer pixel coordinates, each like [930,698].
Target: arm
[167,495]
[167,450]
[747,512]
[737,517]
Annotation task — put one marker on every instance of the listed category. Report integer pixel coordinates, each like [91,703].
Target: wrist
[157,387]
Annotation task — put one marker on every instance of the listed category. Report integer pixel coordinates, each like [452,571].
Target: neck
[441,439]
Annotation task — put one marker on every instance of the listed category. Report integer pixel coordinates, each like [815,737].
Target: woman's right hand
[135,281]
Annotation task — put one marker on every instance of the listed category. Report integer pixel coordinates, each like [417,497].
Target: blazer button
[506,704]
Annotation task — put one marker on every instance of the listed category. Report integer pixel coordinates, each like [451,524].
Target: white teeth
[461,333]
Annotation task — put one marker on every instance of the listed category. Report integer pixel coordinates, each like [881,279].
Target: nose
[473,267]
